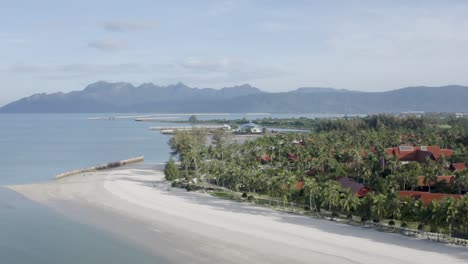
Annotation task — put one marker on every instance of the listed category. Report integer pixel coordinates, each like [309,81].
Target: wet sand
[135,203]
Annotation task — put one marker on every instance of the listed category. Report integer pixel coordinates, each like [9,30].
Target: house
[249,128]
[300,185]
[424,186]
[427,197]
[293,157]
[455,167]
[265,158]
[418,153]
[358,189]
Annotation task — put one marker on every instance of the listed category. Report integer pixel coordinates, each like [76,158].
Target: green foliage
[193,119]
[302,168]
[171,171]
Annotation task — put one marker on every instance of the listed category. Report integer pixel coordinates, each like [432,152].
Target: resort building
[358,189]
[427,197]
[456,167]
[249,128]
[424,186]
[418,153]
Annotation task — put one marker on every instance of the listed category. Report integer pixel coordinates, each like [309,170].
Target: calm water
[34,148]
[31,233]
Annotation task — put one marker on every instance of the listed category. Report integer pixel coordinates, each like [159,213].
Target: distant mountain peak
[106,86]
[123,97]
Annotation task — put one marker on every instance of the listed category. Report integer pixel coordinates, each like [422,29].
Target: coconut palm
[379,207]
[431,172]
[461,180]
[331,195]
[312,189]
[348,202]
[452,213]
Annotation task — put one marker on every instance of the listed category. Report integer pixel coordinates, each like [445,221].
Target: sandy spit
[135,203]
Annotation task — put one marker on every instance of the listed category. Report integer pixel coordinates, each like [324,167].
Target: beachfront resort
[381,170]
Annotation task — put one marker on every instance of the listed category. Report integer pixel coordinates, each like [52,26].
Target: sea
[36,147]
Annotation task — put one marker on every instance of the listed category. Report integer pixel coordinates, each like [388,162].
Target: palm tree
[348,202]
[430,171]
[452,213]
[438,216]
[394,164]
[379,207]
[312,189]
[461,180]
[331,195]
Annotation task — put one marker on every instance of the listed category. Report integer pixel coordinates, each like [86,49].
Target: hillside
[124,97]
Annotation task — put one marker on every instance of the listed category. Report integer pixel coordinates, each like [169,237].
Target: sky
[54,45]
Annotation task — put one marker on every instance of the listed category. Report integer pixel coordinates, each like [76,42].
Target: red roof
[300,185]
[457,166]
[422,180]
[427,197]
[265,158]
[418,153]
[293,157]
[360,190]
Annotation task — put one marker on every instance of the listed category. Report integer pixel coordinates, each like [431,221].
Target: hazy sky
[48,46]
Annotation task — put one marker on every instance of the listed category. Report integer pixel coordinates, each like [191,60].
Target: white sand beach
[135,203]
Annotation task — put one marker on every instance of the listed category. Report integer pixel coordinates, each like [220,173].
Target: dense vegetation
[303,167]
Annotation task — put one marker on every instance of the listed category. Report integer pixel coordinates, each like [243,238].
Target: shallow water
[32,233]
[34,148]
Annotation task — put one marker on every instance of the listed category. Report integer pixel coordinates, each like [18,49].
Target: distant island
[122,97]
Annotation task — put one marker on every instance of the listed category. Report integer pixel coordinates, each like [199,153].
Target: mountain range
[122,97]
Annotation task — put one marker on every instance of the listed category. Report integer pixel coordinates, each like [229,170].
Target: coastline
[135,203]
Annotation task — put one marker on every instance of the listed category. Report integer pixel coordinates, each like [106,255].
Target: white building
[249,128]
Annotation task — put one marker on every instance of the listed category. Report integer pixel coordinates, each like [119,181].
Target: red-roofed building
[427,197]
[422,180]
[265,158]
[300,185]
[454,167]
[418,153]
[358,189]
[293,157]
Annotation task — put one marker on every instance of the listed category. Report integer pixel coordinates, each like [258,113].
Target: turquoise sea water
[33,234]
[35,147]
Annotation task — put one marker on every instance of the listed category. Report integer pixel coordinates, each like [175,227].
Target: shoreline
[135,203]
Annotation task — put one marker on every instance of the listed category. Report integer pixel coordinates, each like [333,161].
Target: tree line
[303,168]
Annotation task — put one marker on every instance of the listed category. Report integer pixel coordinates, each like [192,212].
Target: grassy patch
[226,195]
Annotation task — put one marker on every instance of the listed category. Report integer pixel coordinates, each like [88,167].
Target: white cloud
[108,44]
[58,71]
[218,64]
[126,25]
[228,69]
